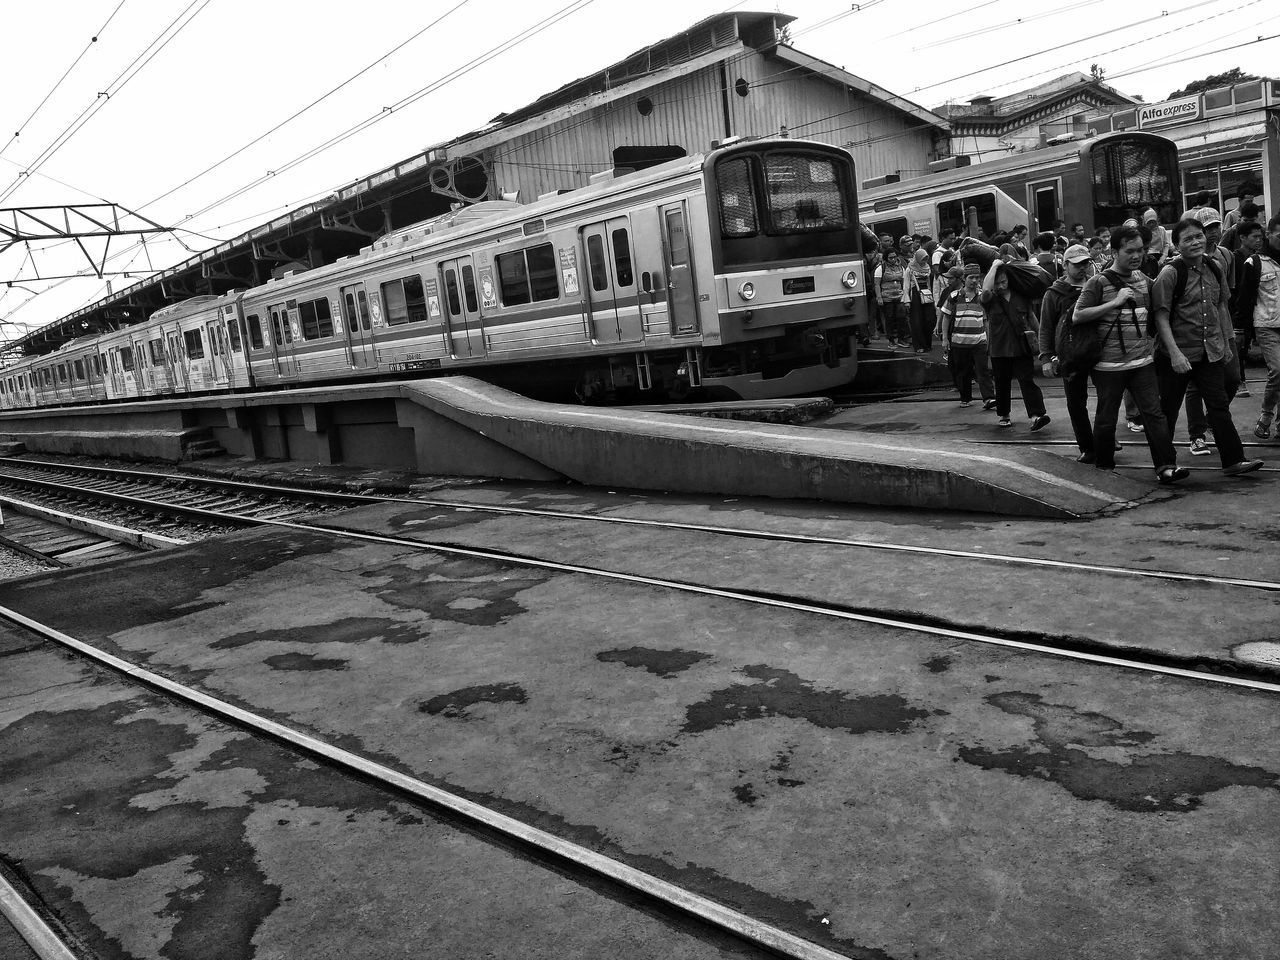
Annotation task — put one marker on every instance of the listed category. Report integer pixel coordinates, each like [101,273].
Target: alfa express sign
[1171,111]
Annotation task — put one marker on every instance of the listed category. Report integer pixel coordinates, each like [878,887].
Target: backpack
[1080,345]
[1180,271]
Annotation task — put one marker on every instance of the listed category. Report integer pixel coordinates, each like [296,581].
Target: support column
[242,420]
[318,420]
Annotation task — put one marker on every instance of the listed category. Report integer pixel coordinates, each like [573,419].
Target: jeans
[1076,389]
[895,319]
[1197,422]
[1210,377]
[1141,382]
[1269,344]
[969,364]
[1007,369]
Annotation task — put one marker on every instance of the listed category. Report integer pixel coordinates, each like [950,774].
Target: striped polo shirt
[968,319]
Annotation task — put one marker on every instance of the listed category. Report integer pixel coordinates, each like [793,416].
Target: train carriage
[738,273]
[1099,181]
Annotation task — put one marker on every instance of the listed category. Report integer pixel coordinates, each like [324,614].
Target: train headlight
[747,291]
[850,279]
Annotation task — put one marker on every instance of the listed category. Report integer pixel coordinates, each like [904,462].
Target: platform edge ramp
[655,451]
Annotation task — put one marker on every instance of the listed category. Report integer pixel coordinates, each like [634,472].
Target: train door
[219,352]
[176,356]
[1044,200]
[355,320]
[282,321]
[463,324]
[682,291]
[611,283]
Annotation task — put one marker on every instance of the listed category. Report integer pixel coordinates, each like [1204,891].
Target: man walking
[1197,423]
[1117,300]
[1196,341]
[1055,314]
[964,339]
[1010,332]
[1258,306]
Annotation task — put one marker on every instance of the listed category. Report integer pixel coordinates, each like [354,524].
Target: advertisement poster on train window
[433,297]
[569,270]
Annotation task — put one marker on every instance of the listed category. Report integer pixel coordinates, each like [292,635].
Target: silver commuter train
[737,273]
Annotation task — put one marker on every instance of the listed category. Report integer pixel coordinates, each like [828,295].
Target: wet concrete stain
[455,705]
[782,764]
[938,664]
[437,518]
[664,663]
[780,693]
[304,662]
[67,780]
[347,630]
[459,590]
[1150,783]
[744,794]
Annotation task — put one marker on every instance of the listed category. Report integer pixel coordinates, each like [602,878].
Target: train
[736,273]
[1098,181]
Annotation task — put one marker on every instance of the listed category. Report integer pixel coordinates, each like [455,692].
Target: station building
[733,74]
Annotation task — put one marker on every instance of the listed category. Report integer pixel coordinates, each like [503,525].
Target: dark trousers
[1141,382]
[968,364]
[1004,371]
[895,319]
[1076,389]
[923,320]
[1197,422]
[1210,377]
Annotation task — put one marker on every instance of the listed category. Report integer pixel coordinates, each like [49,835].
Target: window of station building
[404,301]
[317,323]
[194,343]
[255,331]
[78,367]
[156,348]
[528,276]
[954,214]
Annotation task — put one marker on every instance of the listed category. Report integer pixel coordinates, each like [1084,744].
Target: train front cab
[789,286]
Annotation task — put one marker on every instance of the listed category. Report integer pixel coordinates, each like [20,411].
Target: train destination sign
[1170,111]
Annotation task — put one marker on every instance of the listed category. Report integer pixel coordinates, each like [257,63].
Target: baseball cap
[1207,216]
[1076,253]
[1149,216]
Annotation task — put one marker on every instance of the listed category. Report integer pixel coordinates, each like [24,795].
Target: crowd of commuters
[1174,310]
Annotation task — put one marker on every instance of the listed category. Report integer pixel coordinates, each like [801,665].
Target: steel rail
[687,903]
[801,538]
[30,926]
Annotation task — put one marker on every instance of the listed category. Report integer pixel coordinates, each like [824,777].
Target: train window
[317,322]
[126,358]
[275,329]
[156,347]
[97,365]
[233,331]
[194,344]
[955,214]
[469,288]
[1133,173]
[622,257]
[78,368]
[404,301]
[62,373]
[737,199]
[596,260]
[528,276]
[255,331]
[804,194]
[451,292]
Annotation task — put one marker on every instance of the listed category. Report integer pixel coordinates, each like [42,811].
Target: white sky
[241,67]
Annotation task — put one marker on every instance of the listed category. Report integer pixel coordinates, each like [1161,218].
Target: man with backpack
[1055,322]
[1116,301]
[1216,254]
[1197,340]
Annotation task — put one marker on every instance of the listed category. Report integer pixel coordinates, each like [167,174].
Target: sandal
[1169,475]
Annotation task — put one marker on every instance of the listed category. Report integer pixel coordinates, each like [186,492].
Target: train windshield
[1130,175]
[784,204]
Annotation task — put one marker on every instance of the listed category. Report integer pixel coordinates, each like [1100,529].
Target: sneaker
[1263,430]
[988,404]
[1134,426]
[1087,457]
[1208,435]
[1172,474]
[1040,422]
[1244,466]
[966,403]
[1243,390]
[1119,445]
[921,350]
[1200,447]
[1004,422]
